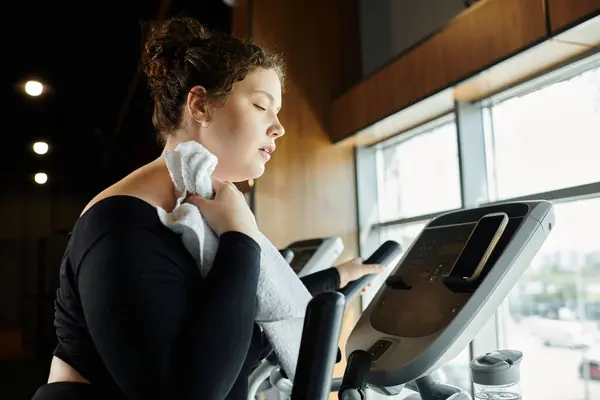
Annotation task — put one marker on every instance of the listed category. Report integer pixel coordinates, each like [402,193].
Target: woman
[134,318]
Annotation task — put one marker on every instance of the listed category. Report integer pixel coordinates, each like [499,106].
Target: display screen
[424,294]
[435,252]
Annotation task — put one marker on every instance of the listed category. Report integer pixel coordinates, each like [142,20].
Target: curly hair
[181,53]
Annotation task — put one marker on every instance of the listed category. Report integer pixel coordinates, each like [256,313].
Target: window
[419,175]
[553,314]
[539,140]
[538,143]
[546,139]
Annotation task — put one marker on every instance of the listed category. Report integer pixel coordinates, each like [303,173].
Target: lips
[268,149]
[266,156]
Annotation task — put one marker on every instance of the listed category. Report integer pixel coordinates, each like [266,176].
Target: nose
[277,130]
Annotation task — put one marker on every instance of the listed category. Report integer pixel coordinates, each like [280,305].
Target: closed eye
[260,108]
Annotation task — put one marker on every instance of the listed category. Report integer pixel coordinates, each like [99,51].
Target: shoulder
[124,222]
[117,212]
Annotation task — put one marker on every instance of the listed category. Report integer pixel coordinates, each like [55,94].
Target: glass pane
[553,314]
[457,372]
[547,139]
[419,175]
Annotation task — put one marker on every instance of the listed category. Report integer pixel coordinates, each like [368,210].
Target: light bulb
[40,147]
[40,178]
[34,88]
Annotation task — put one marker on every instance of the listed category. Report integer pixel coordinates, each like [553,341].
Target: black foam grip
[319,346]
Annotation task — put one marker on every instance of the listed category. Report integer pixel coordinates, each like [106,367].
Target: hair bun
[167,45]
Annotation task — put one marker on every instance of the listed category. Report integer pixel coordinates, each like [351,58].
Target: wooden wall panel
[488,33]
[483,35]
[240,24]
[566,13]
[349,44]
[308,189]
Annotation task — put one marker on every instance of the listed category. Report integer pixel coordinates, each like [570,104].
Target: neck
[173,141]
[156,184]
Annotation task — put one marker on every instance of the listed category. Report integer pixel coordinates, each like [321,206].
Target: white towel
[282,297]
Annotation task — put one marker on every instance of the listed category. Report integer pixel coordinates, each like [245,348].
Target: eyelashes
[260,108]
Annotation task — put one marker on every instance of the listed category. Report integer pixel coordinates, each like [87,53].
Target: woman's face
[242,130]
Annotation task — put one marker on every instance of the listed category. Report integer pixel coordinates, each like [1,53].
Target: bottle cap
[497,368]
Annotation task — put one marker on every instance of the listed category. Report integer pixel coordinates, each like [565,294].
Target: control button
[396,282]
[380,347]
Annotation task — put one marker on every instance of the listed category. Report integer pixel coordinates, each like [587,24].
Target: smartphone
[479,246]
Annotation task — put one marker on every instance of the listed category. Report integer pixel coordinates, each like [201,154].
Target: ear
[197,105]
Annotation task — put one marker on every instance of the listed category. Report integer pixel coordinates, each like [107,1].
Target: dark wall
[390,27]
[35,223]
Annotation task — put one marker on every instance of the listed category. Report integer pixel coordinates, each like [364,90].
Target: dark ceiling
[87,53]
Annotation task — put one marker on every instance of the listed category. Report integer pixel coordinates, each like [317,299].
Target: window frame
[470,118]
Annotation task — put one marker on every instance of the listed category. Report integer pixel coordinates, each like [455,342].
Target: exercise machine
[313,255]
[268,375]
[446,286]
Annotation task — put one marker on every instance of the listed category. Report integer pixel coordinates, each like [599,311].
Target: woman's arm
[140,307]
[339,276]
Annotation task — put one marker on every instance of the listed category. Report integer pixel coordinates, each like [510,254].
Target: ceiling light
[34,88]
[40,147]
[40,178]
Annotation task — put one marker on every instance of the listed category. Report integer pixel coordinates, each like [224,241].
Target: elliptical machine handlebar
[323,320]
[383,255]
[321,332]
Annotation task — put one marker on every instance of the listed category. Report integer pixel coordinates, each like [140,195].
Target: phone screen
[481,242]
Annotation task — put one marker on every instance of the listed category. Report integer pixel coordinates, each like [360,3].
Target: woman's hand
[354,269]
[227,211]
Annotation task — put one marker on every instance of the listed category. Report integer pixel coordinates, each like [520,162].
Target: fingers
[219,185]
[196,200]
[366,288]
[372,268]
[216,181]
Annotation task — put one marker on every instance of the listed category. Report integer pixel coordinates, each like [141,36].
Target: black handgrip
[318,347]
[383,255]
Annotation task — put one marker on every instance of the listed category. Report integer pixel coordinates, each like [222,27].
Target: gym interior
[397,113]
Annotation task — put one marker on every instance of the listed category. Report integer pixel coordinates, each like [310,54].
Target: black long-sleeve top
[135,317]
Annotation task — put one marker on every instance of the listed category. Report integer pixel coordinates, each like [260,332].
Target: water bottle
[496,375]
